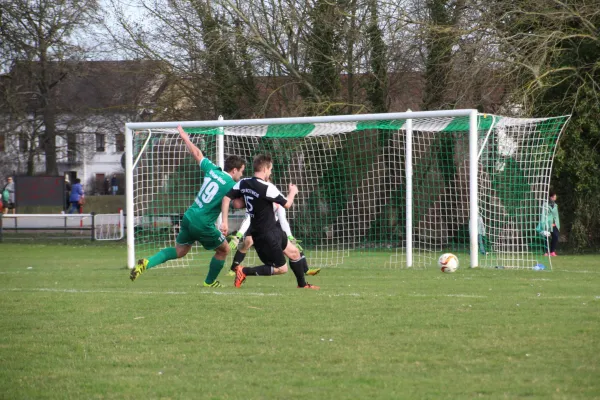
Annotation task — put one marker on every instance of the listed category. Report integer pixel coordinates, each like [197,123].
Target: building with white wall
[92,102]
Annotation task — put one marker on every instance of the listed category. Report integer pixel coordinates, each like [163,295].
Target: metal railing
[95,226]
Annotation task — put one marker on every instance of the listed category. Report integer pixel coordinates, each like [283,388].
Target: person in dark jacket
[115,185]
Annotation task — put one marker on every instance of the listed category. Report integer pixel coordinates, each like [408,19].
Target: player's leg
[481,245]
[241,252]
[546,245]
[217,262]
[183,245]
[164,255]
[307,270]
[212,239]
[298,264]
[554,241]
[169,253]
[269,251]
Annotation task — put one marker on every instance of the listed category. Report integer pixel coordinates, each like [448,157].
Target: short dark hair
[234,162]
[552,193]
[261,161]
[77,180]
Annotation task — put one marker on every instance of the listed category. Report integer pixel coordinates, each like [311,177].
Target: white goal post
[412,184]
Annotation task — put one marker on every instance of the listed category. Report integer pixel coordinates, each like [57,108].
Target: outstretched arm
[195,151]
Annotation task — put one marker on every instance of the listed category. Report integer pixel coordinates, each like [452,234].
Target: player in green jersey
[198,222]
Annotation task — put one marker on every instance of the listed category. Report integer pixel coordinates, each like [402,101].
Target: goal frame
[409,116]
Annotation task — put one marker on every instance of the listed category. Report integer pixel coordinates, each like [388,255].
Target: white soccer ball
[448,263]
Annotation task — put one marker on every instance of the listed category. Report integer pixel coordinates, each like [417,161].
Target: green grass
[74,326]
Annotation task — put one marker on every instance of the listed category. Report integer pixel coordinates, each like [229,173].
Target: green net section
[166,181]
[515,166]
[352,183]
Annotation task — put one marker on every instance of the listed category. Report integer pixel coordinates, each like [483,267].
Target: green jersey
[207,206]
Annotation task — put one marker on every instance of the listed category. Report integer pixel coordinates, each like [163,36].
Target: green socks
[214,268]
[162,256]
[170,253]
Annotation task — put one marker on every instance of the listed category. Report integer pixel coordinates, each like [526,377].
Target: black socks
[298,267]
[261,270]
[237,259]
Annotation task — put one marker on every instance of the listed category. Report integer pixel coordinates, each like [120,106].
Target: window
[100,142]
[23,142]
[2,143]
[120,142]
[71,148]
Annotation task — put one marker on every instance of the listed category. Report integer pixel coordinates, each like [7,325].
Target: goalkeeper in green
[246,240]
[198,223]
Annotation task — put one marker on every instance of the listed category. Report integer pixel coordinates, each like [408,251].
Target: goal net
[398,188]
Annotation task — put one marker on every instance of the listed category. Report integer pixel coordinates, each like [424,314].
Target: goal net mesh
[352,187]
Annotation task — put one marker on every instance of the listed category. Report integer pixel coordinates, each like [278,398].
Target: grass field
[74,326]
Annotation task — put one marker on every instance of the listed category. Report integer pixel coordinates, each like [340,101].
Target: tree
[551,48]
[37,36]
[378,79]
[441,35]
[204,53]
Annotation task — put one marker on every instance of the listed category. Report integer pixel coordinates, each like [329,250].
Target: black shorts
[269,246]
[10,206]
[248,234]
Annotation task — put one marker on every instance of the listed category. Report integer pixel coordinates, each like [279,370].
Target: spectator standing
[8,196]
[67,192]
[106,186]
[549,225]
[115,185]
[77,197]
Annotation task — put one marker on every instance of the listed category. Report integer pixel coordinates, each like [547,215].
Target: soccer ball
[448,263]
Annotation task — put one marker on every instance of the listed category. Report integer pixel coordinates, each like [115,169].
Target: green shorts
[192,231]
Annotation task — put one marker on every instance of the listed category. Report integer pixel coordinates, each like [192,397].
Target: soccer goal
[398,188]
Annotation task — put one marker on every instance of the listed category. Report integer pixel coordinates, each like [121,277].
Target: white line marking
[127,292]
[242,293]
[578,272]
[448,295]
[84,291]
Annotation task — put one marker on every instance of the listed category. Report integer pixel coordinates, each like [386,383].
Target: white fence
[92,226]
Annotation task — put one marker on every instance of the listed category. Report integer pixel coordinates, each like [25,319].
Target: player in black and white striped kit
[242,240]
[270,242]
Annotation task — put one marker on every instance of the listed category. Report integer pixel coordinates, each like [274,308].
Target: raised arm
[195,151]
